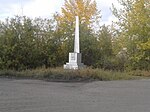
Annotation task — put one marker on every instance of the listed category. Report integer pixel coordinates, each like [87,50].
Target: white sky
[46,8]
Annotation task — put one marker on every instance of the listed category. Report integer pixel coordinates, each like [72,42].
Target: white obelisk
[75,57]
[76,41]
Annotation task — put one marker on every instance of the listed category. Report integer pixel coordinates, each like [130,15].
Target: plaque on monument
[72,56]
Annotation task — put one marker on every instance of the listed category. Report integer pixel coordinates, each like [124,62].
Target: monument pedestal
[74,61]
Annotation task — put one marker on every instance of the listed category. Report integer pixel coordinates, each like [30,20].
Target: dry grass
[88,74]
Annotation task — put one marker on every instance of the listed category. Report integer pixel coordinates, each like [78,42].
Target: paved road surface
[41,96]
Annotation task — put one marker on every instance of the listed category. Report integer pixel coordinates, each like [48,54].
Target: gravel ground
[99,96]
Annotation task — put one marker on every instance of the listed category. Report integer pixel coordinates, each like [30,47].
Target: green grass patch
[88,74]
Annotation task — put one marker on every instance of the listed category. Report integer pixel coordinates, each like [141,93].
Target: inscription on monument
[72,56]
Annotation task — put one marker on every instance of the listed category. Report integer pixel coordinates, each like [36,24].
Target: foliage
[85,9]
[23,43]
[104,48]
[134,22]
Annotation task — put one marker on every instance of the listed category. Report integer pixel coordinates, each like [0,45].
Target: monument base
[74,66]
[74,61]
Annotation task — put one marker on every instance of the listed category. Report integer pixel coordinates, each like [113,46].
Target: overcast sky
[46,8]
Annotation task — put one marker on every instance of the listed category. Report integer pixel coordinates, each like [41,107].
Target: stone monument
[75,57]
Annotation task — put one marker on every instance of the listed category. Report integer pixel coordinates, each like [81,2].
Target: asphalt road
[42,96]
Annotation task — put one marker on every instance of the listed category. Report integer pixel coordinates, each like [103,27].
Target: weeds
[59,74]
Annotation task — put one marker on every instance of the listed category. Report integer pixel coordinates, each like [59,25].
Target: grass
[88,74]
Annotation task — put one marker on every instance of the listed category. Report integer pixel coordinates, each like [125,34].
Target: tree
[134,22]
[85,9]
[105,40]
[24,43]
[104,47]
